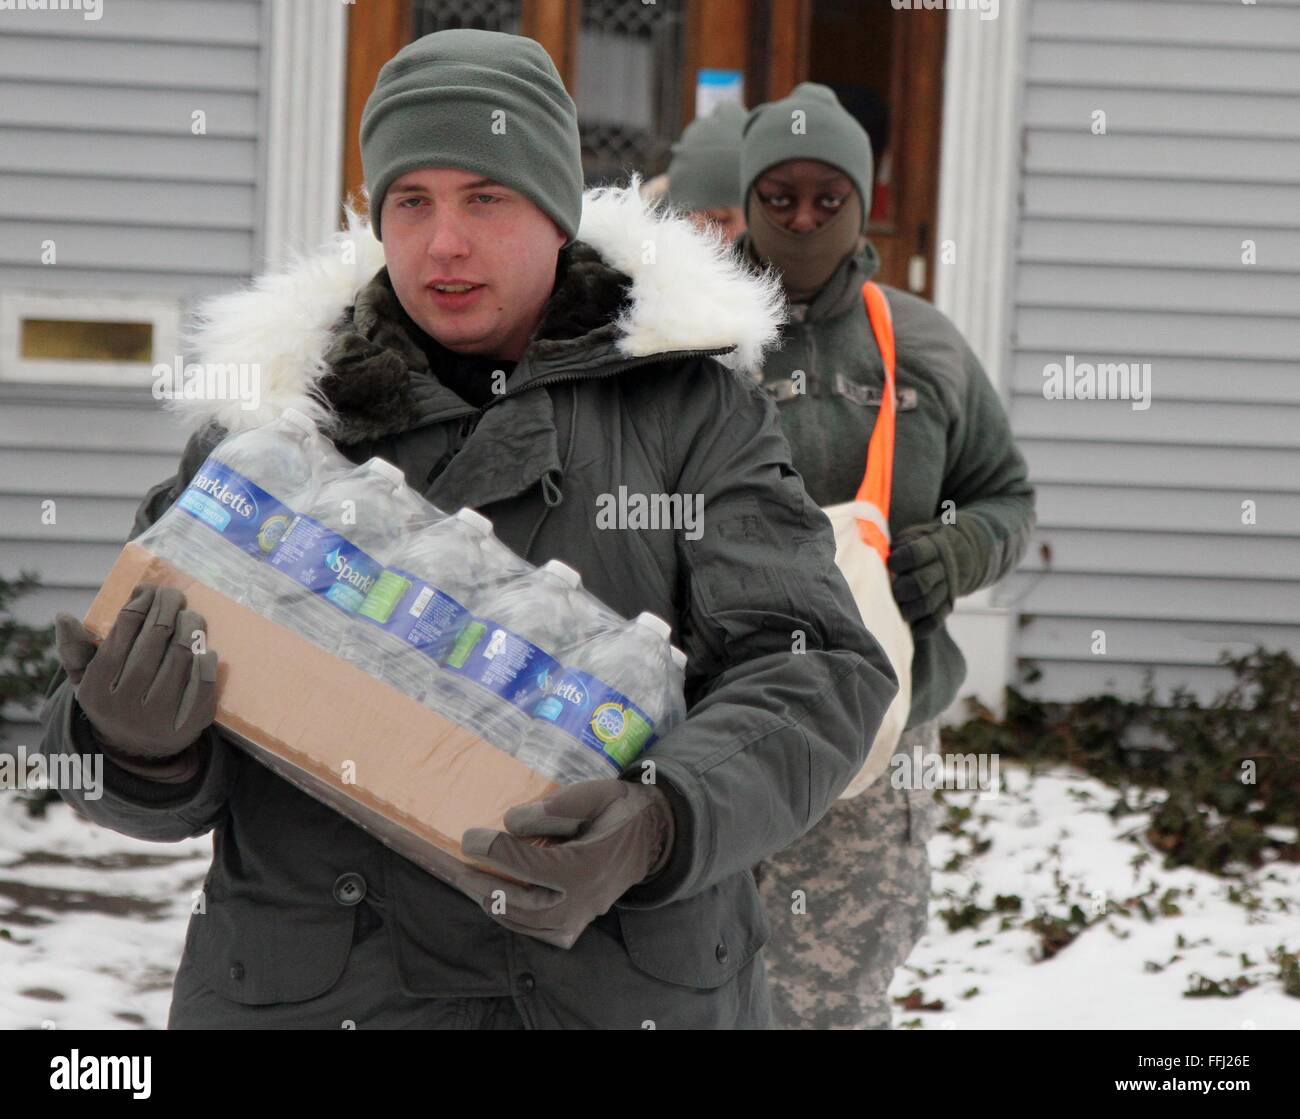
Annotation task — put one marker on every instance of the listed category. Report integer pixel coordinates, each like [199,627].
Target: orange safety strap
[878,481]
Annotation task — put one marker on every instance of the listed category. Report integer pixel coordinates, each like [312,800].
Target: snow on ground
[1051,843]
[92,923]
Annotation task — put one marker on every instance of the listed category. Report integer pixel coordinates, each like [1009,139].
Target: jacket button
[236,971]
[349,889]
[721,952]
[526,983]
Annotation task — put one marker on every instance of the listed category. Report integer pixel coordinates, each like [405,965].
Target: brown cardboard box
[417,779]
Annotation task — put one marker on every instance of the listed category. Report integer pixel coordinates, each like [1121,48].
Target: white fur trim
[687,293]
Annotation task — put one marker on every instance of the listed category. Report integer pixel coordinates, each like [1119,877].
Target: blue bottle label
[414,611]
[326,563]
[240,510]
[598,716]
[501,661]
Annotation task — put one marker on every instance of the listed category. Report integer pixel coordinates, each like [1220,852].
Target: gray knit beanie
[480,101]
[824,130]
[705,171]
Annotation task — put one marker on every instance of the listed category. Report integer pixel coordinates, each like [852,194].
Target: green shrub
[1227,772]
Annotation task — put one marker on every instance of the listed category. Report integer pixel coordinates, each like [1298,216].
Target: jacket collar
[683,292]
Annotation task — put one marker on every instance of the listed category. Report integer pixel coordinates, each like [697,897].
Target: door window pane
[629,96]
[428,16]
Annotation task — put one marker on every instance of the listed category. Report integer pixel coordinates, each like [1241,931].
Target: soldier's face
[472,261]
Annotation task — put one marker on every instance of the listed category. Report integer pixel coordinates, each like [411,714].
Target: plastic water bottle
[335,550]
[505,652]
[241,501]
[615,695]
[419,604]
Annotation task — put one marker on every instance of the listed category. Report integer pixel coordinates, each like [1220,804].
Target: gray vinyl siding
[96,149]
[96,153]
[95,461]
[1129,249]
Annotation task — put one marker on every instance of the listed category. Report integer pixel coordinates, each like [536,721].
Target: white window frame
[305,79]
[164,315]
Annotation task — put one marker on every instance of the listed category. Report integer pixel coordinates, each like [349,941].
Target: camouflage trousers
[848,901]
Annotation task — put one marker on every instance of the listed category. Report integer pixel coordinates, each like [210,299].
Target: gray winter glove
[147,695]
[929,566]
[612,835]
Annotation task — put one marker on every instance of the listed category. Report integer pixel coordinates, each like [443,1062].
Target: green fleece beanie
[480,101]
[705,171]
[823,130]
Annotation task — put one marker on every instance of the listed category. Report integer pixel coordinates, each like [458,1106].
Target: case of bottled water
[354,560]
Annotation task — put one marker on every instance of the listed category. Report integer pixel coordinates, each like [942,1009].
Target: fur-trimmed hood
[685,291]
